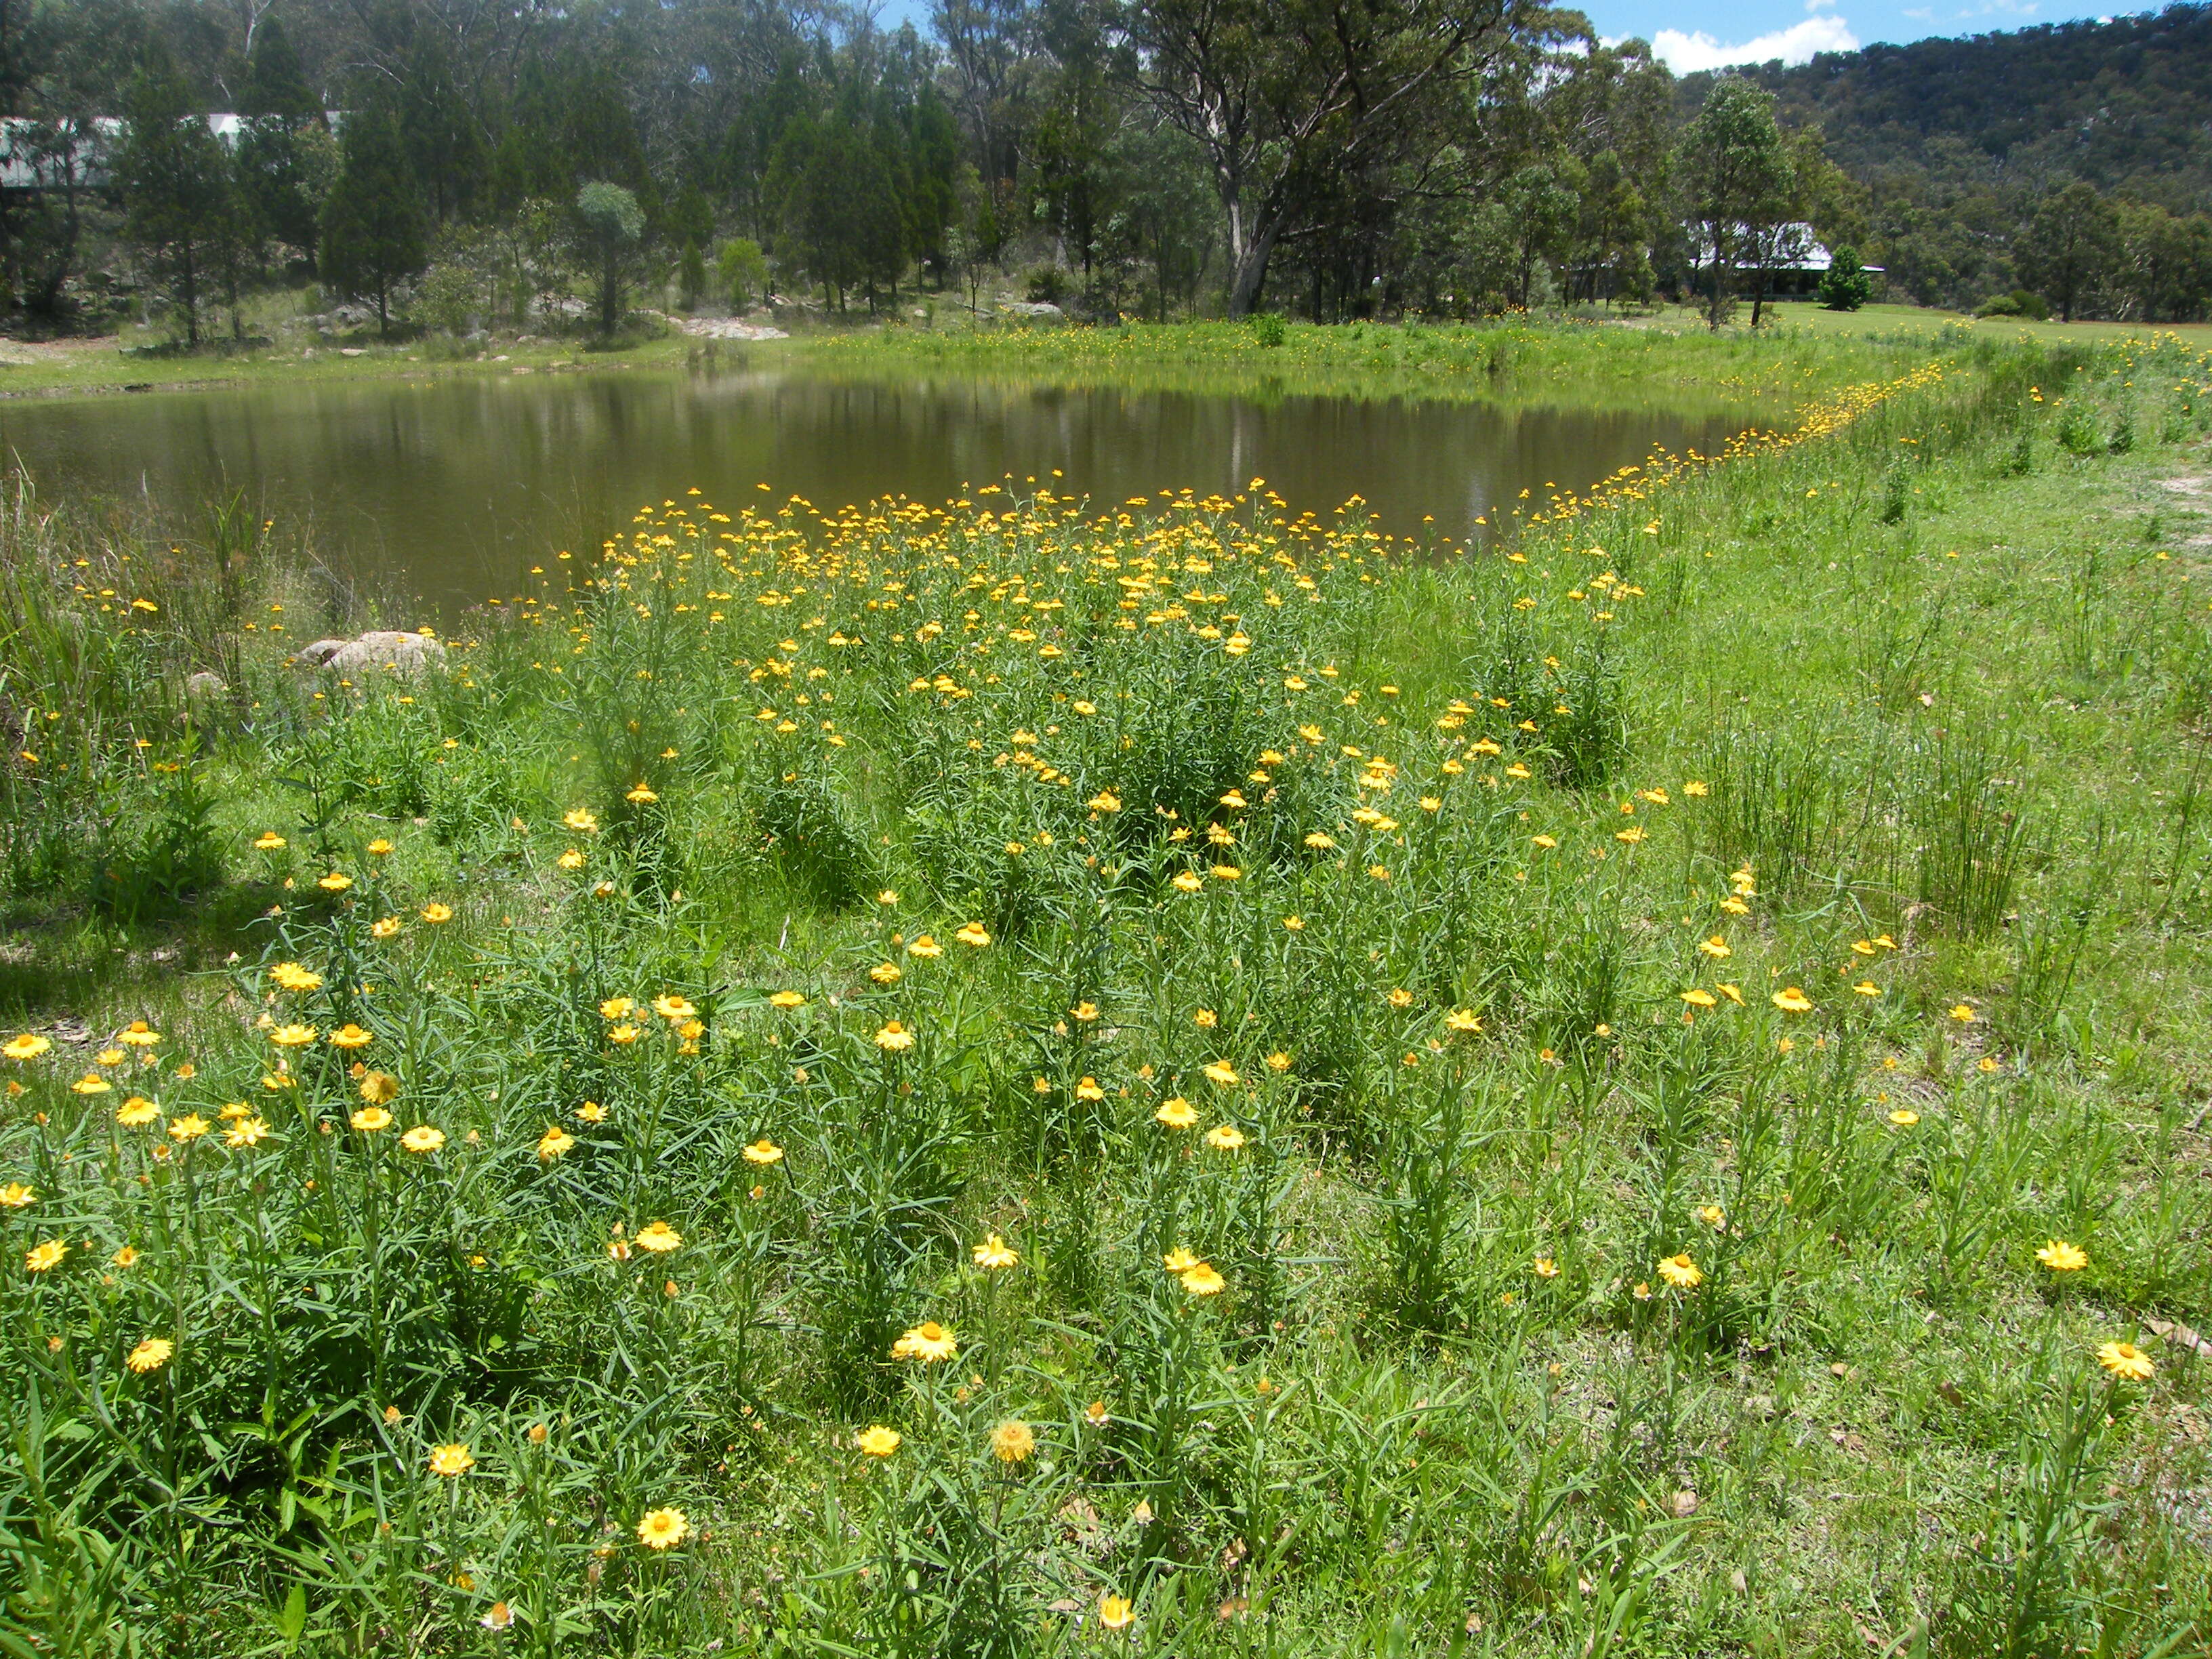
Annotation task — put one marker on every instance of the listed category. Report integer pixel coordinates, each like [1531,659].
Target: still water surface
[449,489]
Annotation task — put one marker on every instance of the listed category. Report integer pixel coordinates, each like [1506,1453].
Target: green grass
[75,367]
[1911,698]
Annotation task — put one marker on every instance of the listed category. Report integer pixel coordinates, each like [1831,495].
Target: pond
[449,489]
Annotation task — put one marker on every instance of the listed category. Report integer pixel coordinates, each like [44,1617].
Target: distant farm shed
[1792,258]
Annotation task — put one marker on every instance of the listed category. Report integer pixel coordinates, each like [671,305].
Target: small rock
[204,687]
[379,651]
[351,351]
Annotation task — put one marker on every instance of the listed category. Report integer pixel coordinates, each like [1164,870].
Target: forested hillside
[1956,141]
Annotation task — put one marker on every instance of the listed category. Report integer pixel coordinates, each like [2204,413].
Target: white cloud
[1820,5]
[1687,54]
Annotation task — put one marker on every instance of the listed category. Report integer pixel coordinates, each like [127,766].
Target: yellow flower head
[139,1034]
[1682,1273]
[1087,1088]
[44,1258]
[451,1460]
[290,976]
[2062,1258]
[91,1083]
[1546,1269]
[269,841]
[583,823]
[1177,1112]
[925,947]
[972,935]
[371,1119]
[16,1196]
[150,1355]
[434,912]
[336,882]
[894,1038]
[1012,1441]
[642,795]
[136,1112]
[386,927]
[1462,1019]
[28,1046]
[928,1342]
[379,847]
[1221,1073]
[877,1441]
[786,1000]
[2126,1361]
[1178,1260]
[378,1088]
[1791,1000]
[422,1139]
[1963,1014]
[570,859]
[1105,801]
[1115,1613]
[995,1252]
[884,973]
[659,1237]
[1203,1280]
[350,1035]
[189,1127]
[1224,1137]
[555,1141]
[764,1151]
[1904,1119]
[292,1036]
[246,1132]
[673,1008]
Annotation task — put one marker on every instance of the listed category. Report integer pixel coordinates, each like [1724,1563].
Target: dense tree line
[473,164]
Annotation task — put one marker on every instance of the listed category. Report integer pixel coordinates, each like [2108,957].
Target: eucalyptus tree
[1287,99]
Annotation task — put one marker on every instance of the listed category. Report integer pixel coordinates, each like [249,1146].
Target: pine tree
[373,234]
[283,157]
[176,186]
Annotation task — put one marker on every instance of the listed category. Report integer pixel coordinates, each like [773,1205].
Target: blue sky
[1700,34]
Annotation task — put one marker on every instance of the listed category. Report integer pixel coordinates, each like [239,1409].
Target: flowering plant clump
[1032,1072]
